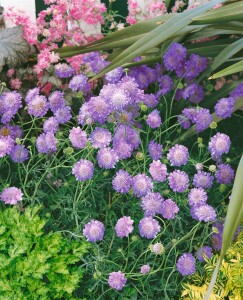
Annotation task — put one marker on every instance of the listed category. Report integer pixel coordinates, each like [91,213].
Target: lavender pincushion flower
[9,106]
[98,108]
[50,125]
[178,181]
[158,171]
[148,227]
[83,170]
[11,195]
[122,148]
[145,269]
[203,252]
[151,203]
[6,145]
[78,137]
[197,197]
[128,134]
[204,212]
[19,154]
[203,119]
[115,75]
[124,227]
[63,114]
[141,185]
[155,150]
[224,174]
[194,66]
[117,280]
[80,83]
[107,158]
[237,92]
[63,70]
[175,56]
[38,106]
[225,107]
[154,119]
[122,181]
[186,264]
[165,84]
[56,101]
[169,209]
[100,137]
[218,145]
[203,179]
[94,231]
[157,248]
[46,143]
[194,93]
[31,94]
[178,155]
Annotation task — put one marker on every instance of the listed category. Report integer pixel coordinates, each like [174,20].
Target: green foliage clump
[35,264]
[229,284]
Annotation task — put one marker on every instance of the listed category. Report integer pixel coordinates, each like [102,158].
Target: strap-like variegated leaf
[233,219]
[235,68]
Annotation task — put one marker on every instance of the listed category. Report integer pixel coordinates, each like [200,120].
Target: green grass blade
[235,68]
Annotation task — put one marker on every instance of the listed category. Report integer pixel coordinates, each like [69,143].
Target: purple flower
[19,154]
[78,137]
[218,145]
[94,231]
[155,150]
[203,252]
[50,125]
[186,264]
[122,149]
[99,109]
[143,75]
[56,101]
[11,195]
[11,131]
[224,174]
[178,155]
[107,158]
[165,85]
[80,83]
[203,179]
[127,134]
[169,209]
[117,280]
[154,119]
[124,227]
[6,145]
[84,116]
[178,181]
[203,119]
[115,75]
[197,197]
[10,102]
[150,100]
[225,107]
[122,182]
[141,185]
[190,113]
[205,213]
[100,137]
[194,93]
[184,121]
[117,98]
[194,66]
[237,92]
[158,171]
[148,227]
[38,106]
[174,58]
[151,203]
[145,269]
[83,170]
[63,70]
[63,114]
[31,94]
[46,143]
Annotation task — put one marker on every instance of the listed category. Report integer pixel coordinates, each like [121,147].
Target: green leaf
[14,49]
[235,68]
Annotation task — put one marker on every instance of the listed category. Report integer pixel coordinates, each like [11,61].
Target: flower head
[83,170]
[56,101]
[6,145]
[11,195]
[94,231]
[124,227]
[178,181]
[78,137]
[155,150]
[224,174]
[203,252]
[197,197]
[148,227]
[19,154]
[186,264]
[218,145]
[154,119]
[145,269]
[50,125]
[178,155]
[169,209]
[122,182]
[107,158]
[117,280]
[141,185]
[204,212]
[203,179]
[158,171]
[157,248]
[80,83]
[151,203]
[100,137]
[225,107]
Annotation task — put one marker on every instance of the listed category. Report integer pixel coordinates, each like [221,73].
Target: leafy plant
[33,264]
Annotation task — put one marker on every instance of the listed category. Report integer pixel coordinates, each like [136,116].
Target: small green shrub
[33,264]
